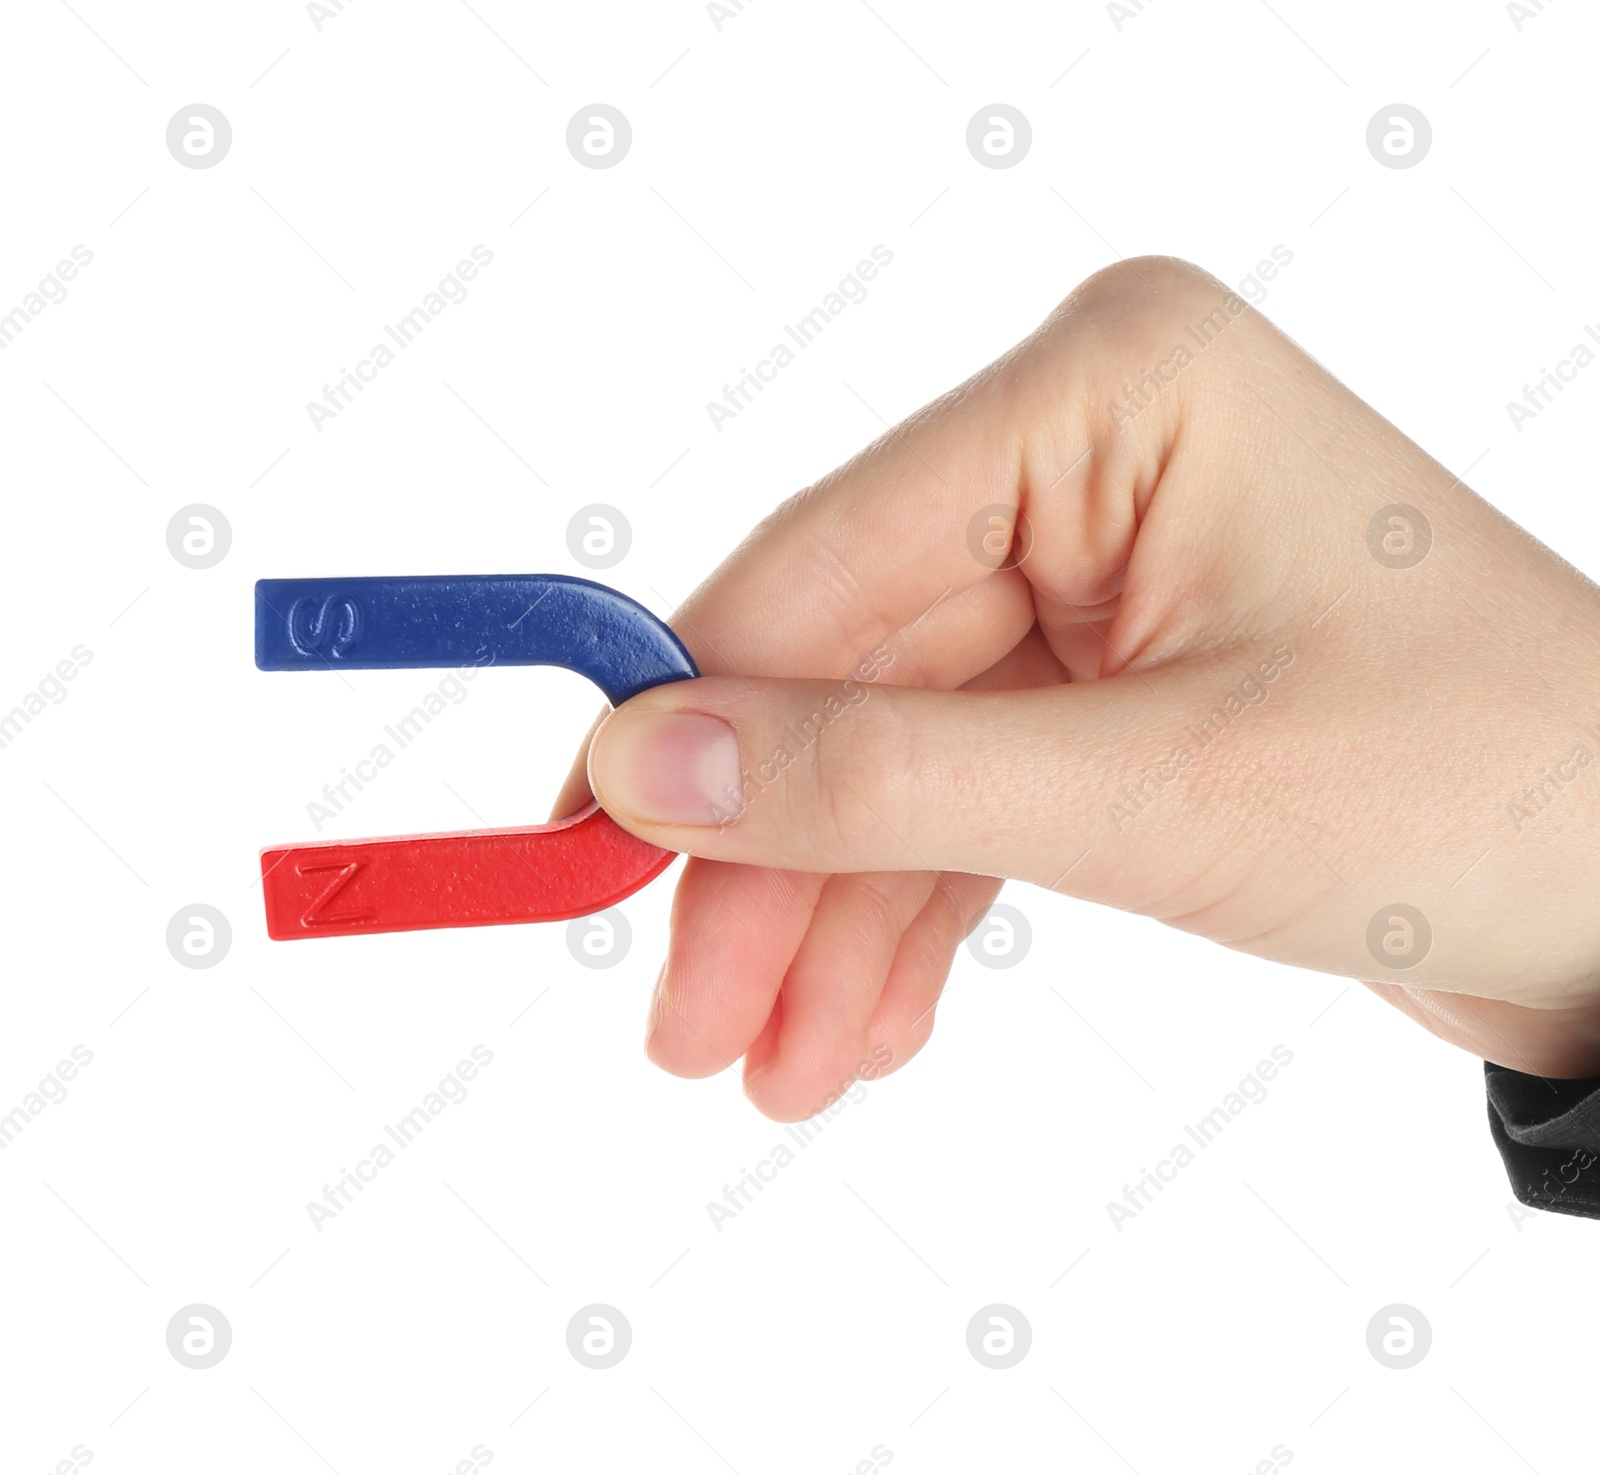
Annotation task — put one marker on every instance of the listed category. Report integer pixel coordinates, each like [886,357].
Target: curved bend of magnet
[468,878]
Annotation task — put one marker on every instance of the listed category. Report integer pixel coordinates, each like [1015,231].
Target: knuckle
[882,903]
[1143,286]
[1148,309]
[1148,333]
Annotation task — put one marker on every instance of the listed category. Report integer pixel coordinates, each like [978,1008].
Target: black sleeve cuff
[1548,1133]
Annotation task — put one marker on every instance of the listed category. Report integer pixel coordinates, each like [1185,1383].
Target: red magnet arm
[467,878]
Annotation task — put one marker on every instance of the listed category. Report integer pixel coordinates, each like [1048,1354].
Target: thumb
[848,776]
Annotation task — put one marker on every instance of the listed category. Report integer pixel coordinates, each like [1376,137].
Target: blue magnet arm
[445,620]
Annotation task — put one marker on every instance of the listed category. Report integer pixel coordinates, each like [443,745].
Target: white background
[830,1317]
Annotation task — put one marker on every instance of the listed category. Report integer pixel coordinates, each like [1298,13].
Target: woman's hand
[1153,612]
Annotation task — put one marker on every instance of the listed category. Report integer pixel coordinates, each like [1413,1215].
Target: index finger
[863,552]
[866,551]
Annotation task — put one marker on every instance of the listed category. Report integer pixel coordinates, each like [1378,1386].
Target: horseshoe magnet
[467,878]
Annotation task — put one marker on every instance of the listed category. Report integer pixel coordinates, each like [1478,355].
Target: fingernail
[673,768]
